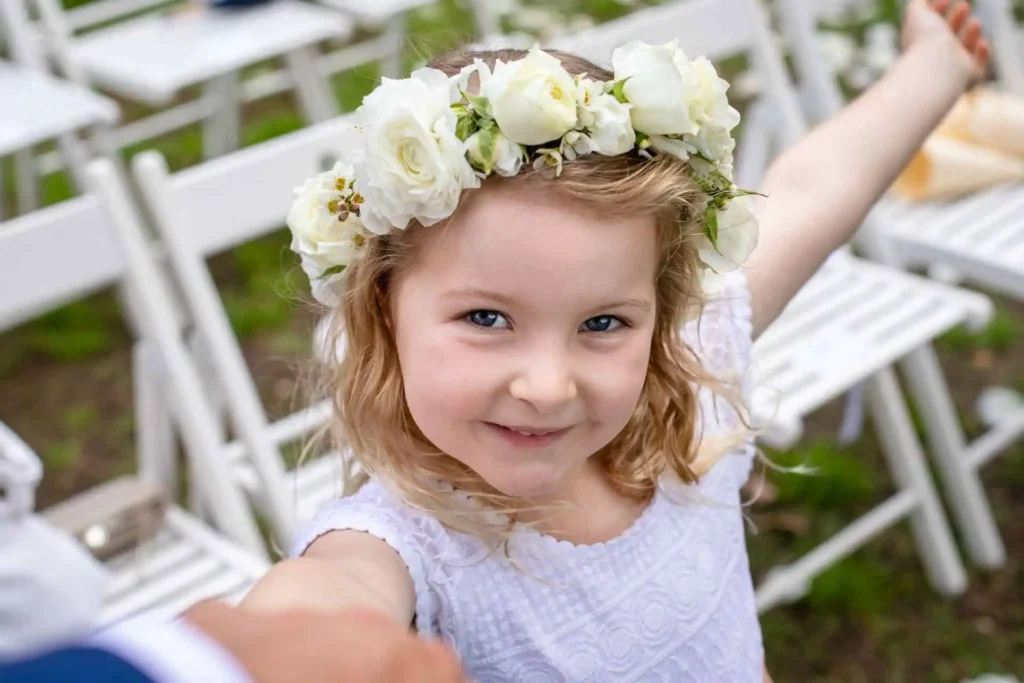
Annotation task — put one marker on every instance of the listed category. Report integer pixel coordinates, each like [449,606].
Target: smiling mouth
[528,436]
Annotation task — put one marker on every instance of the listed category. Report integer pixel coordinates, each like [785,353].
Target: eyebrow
[641,304]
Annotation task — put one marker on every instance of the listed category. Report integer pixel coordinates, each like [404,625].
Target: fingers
[958,16]
[981,53]
[971,35]
[941,6]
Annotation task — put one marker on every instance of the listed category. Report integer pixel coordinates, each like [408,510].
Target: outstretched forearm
[820,190]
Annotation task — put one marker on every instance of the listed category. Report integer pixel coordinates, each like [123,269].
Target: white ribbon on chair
[51,590]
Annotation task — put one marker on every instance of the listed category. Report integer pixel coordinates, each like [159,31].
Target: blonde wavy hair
[373,420]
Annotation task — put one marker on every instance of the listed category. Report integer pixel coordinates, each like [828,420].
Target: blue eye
[488,319]
[601,323]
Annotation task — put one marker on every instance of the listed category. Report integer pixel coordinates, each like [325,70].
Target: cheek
[617,380]
[442,380]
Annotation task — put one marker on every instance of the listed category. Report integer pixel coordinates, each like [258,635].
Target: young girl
[519,254]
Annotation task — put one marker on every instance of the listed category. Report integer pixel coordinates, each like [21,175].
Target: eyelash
[467,317]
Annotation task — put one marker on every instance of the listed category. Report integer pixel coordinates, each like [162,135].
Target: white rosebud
[490,150]
[575,144]
[414,166]
[659,81]
[712,282]
[532,99]
[737,236]
[677,148]
[605,119]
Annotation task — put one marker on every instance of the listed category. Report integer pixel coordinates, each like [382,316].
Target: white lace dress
[671,600]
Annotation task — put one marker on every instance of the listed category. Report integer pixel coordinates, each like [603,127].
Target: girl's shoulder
[416,536]
[376,510]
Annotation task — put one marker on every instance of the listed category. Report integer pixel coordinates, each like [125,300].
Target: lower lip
[527,440]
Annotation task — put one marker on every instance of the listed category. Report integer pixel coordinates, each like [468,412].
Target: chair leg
[222,129]
[154,428]
[905,457]
[316,100]
[946,440]
[485,19]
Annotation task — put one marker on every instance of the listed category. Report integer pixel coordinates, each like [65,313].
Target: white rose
[737,236]
[709,103]
[606,120]
[414,164]
[326,235]
[532,99]
[490,150]
[658,83]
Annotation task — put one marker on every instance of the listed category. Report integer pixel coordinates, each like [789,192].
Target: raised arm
[820,190]
[340,570]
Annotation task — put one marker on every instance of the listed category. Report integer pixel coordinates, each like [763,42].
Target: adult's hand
[351,646]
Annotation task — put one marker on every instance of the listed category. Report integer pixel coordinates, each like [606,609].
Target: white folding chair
[38,108]
[981,238]
[150,57]
[847,326]
[68,251]
[207,209]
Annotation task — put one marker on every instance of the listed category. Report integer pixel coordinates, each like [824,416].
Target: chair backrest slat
[240,197]
[53,256]
[103,11]
[712,28]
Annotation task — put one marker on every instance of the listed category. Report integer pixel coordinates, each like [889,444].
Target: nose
[546,382]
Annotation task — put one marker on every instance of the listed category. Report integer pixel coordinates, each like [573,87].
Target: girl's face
[524,331]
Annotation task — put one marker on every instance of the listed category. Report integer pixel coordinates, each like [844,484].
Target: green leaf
[333,270]
[617,90]
[481,105]
[711,224]
[483,154]
[465,127]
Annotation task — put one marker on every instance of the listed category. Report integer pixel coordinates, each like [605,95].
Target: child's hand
[948,22]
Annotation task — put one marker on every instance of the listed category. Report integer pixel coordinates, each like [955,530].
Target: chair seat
[375,13]
[852,319]
[181,565]
[37,107]
[981,236]
[153,57]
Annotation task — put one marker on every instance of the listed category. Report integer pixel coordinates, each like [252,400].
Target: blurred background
[67,388]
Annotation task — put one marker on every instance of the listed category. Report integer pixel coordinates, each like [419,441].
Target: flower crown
[423,140]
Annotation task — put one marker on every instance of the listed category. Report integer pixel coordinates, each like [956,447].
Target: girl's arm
[820,190]
[341,569]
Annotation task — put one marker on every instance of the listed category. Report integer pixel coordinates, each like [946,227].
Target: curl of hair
[373,419]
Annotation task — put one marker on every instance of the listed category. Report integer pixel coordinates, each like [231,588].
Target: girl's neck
[587,510]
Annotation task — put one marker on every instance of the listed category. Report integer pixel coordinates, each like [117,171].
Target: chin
[537,482]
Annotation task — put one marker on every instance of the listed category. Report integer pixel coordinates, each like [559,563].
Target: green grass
[1000,335]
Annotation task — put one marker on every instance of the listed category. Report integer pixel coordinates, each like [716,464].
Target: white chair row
[65,252]
[979,239]
[150,52]
[38,108]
